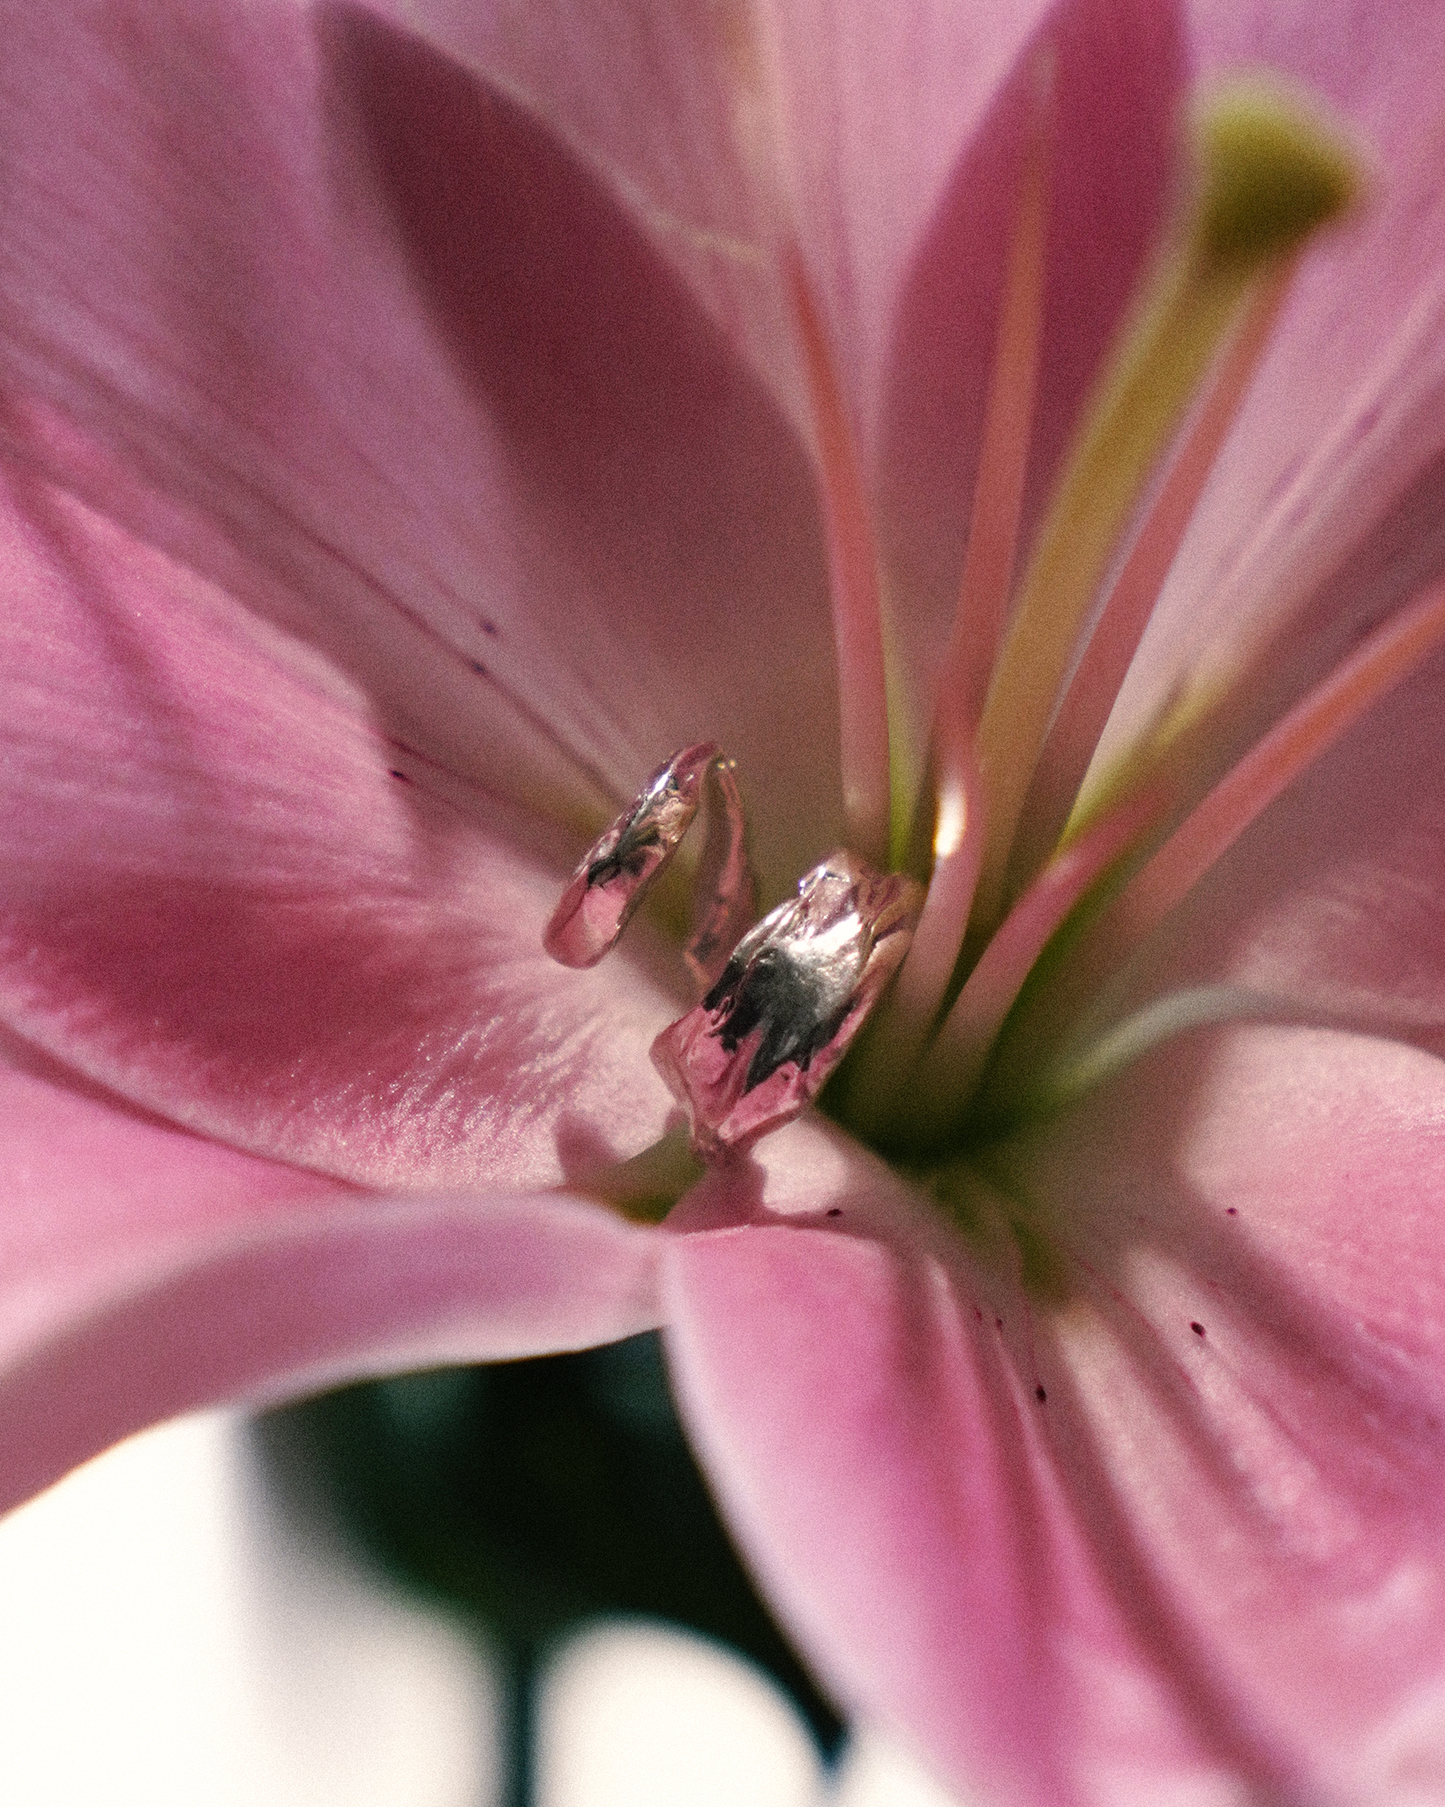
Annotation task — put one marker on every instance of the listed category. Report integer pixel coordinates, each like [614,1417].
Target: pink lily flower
[415,424]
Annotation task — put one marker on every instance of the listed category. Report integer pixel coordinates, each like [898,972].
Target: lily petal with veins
[414,428]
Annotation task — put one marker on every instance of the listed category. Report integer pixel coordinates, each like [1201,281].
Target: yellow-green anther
[1269,175]
[1272,174]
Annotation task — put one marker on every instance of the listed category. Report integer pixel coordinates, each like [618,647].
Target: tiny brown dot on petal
[1040,1395]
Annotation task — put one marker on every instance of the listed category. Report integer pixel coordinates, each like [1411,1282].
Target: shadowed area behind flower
[528,1497]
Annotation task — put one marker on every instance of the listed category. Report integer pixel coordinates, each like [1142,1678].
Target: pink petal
[1325,509]
[229,898]
[1117,76]
[364,341]
[1330,902]
[847,119]
[865,1406]
[1077,1550]
[147,1271]
[1272,1482]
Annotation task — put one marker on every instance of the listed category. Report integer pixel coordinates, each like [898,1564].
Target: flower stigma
[969,987]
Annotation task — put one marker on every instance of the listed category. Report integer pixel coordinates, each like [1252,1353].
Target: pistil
[1017,923]
[1270,177]
[1105,662]
[945,1081]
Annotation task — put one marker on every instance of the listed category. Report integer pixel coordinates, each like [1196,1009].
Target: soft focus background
[175,1633]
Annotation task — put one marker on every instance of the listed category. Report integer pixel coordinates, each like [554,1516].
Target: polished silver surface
[725,895]
[614,877]
[788,1002]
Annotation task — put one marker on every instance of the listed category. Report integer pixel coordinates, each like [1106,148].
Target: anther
[617,872]
[795,992]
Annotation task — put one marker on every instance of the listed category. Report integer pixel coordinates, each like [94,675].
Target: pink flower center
[1027,868]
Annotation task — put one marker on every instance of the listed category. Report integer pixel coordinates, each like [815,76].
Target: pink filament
[1388,656]
[909,1014]
[998,495]
[978,622]
[1101,672]
[956,1058]
[853,573]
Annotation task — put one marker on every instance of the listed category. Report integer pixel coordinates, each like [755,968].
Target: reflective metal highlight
[614,877]
[795,992]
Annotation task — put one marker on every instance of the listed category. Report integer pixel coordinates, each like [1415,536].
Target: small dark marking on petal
[477,666]
[1198,1329]
[835,1210]
[1040,1395]
[489,627]
[401,775]
[998,1323]
[1231,1211]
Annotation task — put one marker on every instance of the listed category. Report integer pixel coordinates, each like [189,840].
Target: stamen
[1101,671]
[725,892]
[946,1080]
[882,1072]
[797,989]
[853,574]
[1091,1060]
[1270,178]
[998,494]
[647,1185]
[1003,456]
[617,872]
[952,793]
[1388,656]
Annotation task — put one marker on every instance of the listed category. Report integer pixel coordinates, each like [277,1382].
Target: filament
[1387,657]
[957,1057]
[853,586]
[1112,644]
[1269,178]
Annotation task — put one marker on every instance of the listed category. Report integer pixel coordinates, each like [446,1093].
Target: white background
[166,1638]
